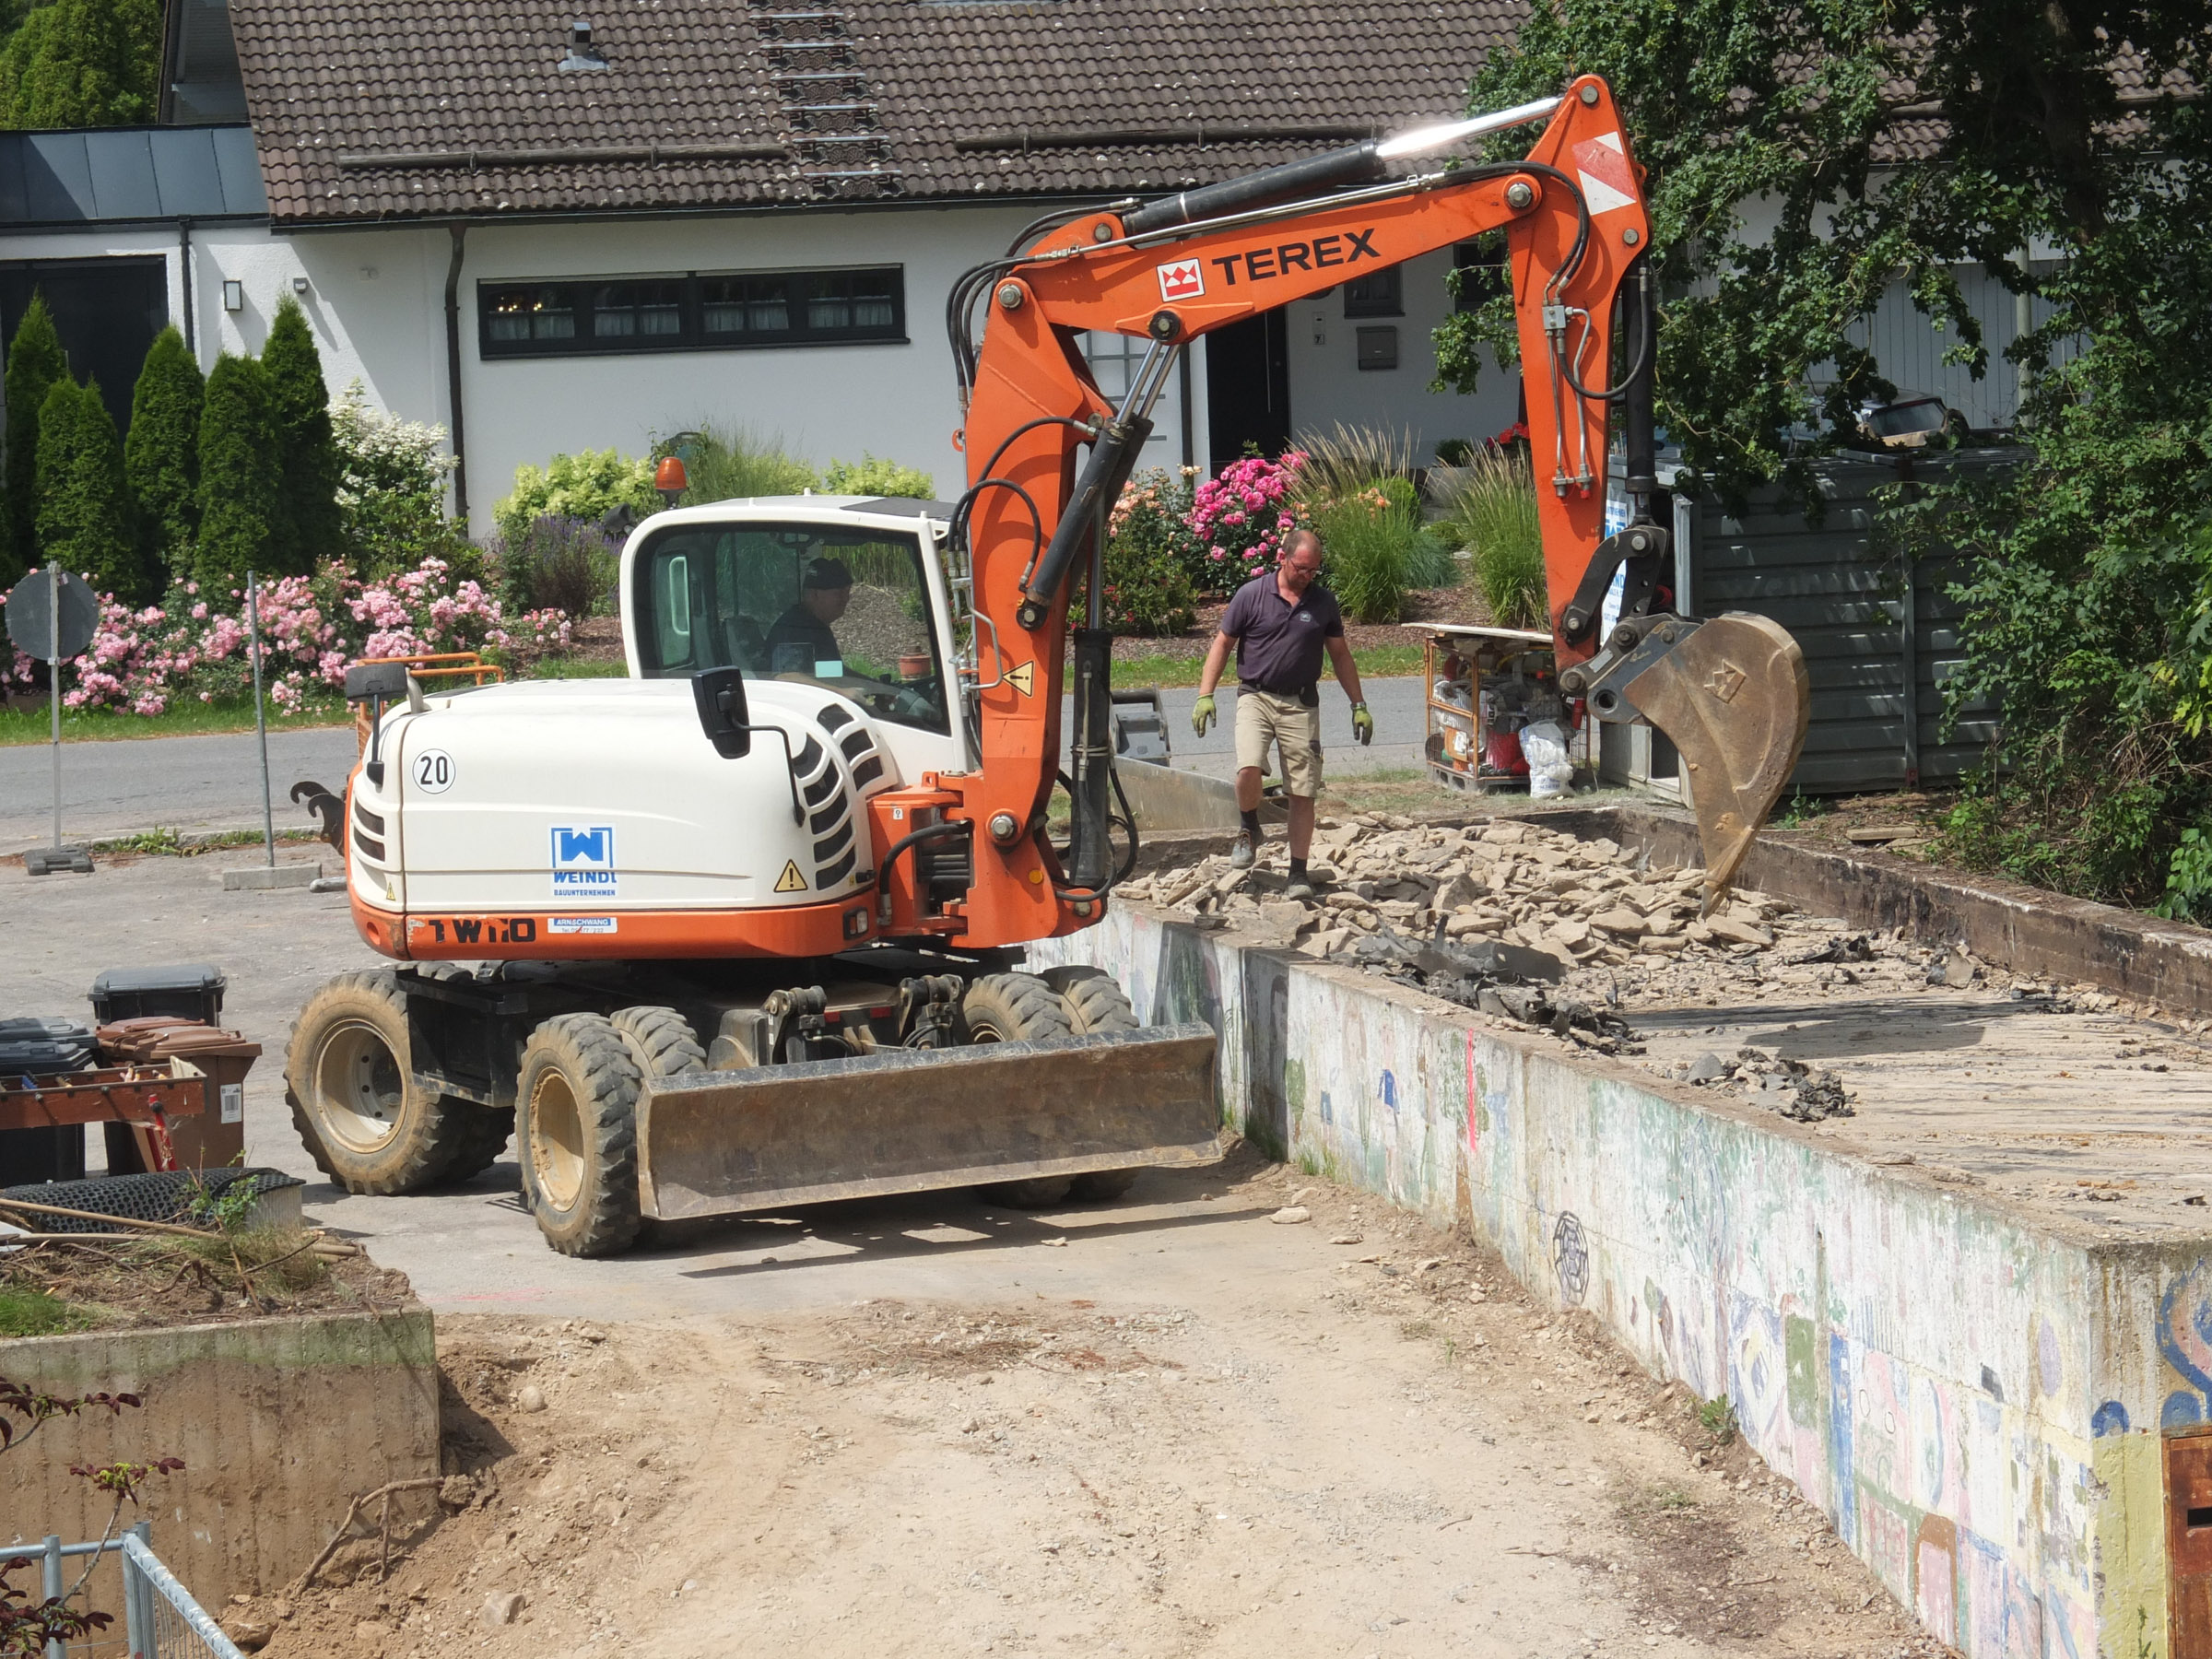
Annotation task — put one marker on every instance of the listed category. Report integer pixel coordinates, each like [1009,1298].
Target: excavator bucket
[1734,699]
[916,1119]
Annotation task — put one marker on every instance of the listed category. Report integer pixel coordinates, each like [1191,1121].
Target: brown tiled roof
[704,102]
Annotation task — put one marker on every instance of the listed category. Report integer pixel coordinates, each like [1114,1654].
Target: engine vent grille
[837,842]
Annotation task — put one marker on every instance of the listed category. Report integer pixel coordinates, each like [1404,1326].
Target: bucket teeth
[1734,699]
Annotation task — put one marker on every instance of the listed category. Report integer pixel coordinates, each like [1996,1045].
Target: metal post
[138,1598]
[54,684]
[261,719]
[49,1575]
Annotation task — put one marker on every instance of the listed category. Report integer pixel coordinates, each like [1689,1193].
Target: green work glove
[1202,713]
[1363,724]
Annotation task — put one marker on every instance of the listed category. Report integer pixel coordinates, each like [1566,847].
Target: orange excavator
[743,930]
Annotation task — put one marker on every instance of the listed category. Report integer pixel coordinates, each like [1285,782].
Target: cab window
[842,608]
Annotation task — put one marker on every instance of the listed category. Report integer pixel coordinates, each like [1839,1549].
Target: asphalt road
[201,784]
[1397,705]
[195,785]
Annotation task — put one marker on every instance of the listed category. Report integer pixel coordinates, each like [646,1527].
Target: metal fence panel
[163,1619]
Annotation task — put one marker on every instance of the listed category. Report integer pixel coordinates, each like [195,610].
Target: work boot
[1239,851]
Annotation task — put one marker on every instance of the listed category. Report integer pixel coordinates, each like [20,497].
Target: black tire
[1095,1005]
[485,1132]
[576,1134]
[1103,1186]
[348,1080]
[1016,1007]
[1011,1007]
[661,1041]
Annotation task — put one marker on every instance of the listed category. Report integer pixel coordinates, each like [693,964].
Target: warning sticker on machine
[584,862]
[791,881]
[581,925]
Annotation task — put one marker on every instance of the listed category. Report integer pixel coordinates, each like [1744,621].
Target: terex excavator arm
[1731,691]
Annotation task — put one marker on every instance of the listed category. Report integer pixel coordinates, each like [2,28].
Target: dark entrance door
[1248,387]
[107,312]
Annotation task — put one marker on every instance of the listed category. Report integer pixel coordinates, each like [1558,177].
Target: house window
[1480,273]
[1379,294]
[693,312]
[1378,348]
[1114,359]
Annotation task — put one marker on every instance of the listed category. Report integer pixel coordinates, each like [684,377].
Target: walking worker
[1281,622]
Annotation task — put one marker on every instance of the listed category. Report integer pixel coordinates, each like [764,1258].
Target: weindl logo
[583,862]
[1602,168]
[1186,279]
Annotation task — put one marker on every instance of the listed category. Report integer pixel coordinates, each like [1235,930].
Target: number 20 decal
[432,771]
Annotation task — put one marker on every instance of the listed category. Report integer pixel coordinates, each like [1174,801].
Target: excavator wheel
[1094,1003]
[576,1130]
[1090,999]
[1014,1008]
[661,1041]
[347,1077]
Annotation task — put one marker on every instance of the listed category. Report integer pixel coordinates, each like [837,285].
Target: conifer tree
[307,527]
[84,516]
[240,486]
[35,361]
[161,456]
[83,64]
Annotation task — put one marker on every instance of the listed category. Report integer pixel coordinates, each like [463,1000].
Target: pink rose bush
[1239,518]
[195,645]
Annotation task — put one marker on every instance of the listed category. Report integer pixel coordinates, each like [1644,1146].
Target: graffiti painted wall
[1974,1402]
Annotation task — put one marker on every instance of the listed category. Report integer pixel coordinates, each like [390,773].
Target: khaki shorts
[1264,721]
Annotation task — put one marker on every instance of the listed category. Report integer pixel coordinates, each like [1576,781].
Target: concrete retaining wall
[1974,1401]
[280,1422]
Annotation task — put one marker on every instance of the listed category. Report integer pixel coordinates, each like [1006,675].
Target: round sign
[432,771]
[29,617]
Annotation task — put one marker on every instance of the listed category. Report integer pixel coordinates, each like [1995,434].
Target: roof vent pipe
[582,55]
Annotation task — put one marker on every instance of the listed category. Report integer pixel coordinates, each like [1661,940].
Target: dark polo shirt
[1279,645]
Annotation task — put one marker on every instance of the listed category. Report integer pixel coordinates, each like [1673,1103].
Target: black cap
[827,573]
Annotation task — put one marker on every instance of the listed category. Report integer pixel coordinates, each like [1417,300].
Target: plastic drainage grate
[160,1197]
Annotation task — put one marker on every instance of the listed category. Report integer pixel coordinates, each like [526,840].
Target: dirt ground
[1385,1450]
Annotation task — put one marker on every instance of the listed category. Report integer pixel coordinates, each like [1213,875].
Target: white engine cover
[605,795]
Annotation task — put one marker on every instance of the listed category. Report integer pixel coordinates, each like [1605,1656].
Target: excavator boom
[1172,270]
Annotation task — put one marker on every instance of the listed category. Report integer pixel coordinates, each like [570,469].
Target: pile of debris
[1772,1079]
[1528,924]
[1583,903]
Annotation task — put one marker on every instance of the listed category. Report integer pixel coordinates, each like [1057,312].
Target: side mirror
[722,715]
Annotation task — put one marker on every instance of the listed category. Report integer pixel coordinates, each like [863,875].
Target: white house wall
[892,400]
[1328,387]
[376,300]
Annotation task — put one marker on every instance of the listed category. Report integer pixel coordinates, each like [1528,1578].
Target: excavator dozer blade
[1734,699]
[916,1119]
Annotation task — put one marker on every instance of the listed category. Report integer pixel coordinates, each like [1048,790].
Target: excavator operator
[801,637]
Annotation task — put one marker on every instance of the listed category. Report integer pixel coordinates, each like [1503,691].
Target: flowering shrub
[193,645]
[583,485]
[1150,553]
[1239,518]
[391,484]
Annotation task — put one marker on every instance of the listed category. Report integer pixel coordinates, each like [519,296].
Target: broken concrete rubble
[1772,1080]
[1468,912]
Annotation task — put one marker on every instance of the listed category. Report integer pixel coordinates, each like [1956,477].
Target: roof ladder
[830,119]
